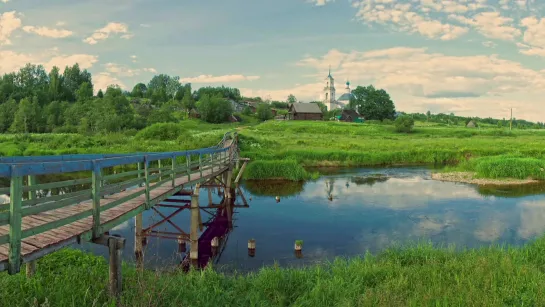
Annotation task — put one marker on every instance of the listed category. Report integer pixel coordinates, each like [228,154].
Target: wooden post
[173,175]
[146,183]
[115,246]
[160,170]
[139,165]
[194,234]
[96,183]
[200,164]
[212,163]
[138,246]
[209,196]
[188,163]
[31,266]
[15,221]
[229,196]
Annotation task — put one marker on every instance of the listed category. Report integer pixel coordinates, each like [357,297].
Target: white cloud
[320,2]
[218,79]
[4,1]
[418,80]
[102,80]
[11,61]
[48,32]
[145,25]
[124,71]
[152,70]
[491,25]
[9,22]
[105,32]
[60,23]
[85,61]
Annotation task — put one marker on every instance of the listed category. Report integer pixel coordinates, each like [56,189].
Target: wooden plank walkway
[59,237]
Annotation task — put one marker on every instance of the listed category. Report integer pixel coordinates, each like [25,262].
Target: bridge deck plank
[58,235]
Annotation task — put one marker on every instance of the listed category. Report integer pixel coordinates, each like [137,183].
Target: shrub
[162,132]
[404,123]
[276,169]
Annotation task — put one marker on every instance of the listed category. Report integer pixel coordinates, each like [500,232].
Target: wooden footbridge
[45,214]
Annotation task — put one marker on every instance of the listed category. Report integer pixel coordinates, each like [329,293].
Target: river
[350,211]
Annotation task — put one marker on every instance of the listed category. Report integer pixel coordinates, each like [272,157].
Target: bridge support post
[228,196]
[138,246]
[194,234]
[31,266]
[115,246]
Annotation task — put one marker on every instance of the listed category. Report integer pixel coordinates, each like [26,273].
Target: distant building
[350,116]
[329,94]
[305,111]
[237,106]
[471,124]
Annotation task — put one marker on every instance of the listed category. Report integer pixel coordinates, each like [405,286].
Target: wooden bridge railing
[147,170]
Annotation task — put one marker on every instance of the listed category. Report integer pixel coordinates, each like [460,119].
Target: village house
[350,116]
[305,111]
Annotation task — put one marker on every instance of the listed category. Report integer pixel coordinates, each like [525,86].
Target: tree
[247,111]
[373,104]
[188,102]
[85,92]
[404,123]
[100,94]
[428,115]
[291,99]
[214,109]
[139,90]
[264,112]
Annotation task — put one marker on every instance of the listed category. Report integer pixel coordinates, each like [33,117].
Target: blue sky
[469,57]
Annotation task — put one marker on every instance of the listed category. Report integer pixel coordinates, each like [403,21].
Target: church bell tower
[329,92]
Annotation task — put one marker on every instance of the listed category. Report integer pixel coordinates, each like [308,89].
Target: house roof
[346,97]
[351,113]
[303,107]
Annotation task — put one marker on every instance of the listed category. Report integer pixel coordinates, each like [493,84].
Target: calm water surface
[349,212]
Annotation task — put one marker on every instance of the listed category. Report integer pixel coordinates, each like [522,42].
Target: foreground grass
[415,276]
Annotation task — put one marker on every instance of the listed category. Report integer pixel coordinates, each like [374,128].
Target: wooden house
[305,111]
[350,116]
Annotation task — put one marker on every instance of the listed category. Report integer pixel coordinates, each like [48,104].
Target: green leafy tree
[404,124]
[100,94]
[291,99]
[264,112]
[214,109]
[247,111]
[85,92]
[139,90]
[373,104]
[188,102]
[7,114]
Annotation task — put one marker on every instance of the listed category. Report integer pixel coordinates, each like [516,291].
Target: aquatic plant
[276,169]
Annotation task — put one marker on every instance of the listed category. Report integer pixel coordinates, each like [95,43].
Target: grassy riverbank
[346,144]
[280,149]
[416,276]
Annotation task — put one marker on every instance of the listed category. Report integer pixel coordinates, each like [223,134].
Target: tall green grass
[276,169]
[504,166]
[420,275]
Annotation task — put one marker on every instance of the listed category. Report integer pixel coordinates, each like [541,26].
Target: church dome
[346,97]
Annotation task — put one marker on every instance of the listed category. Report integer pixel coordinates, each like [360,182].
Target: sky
[468,57]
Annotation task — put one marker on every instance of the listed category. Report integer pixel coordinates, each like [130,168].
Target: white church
[329,94]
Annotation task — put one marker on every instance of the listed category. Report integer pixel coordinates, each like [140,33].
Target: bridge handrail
[21,166]
[147,176]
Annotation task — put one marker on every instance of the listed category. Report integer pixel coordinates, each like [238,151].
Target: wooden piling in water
[194,234]
[138,242]
[31,266]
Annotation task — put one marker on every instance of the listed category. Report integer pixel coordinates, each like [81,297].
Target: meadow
[517,153]
[421,275]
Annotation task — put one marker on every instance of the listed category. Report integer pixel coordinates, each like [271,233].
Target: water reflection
[345,213]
